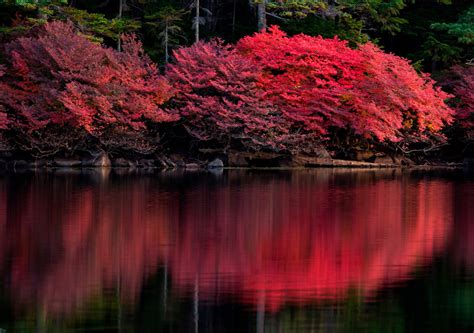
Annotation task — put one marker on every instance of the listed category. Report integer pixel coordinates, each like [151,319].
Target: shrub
[218,96]
[322,83]
[60,80]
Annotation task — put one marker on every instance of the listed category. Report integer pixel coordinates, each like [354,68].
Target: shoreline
[22,165]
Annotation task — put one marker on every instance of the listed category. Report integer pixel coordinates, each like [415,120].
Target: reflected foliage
[319,248]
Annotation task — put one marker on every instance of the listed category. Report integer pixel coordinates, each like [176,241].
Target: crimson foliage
[464,91]
[322,83]
[3,115]
[218,96]
[291,92]
[271,91]
[59,79]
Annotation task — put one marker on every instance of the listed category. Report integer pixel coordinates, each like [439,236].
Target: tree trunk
[197,21]
[120,13]
[233,18]
[216,14]
[261,15]
[166,44]
[433,61]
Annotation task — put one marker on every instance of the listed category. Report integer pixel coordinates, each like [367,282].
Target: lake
[322,250]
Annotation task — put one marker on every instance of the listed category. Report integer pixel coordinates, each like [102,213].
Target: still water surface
[327,250]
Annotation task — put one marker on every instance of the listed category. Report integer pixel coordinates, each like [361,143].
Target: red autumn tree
[396,101]
[463,90]
[304,75]
[322,83]
[219,98]
[3,117]
[59,79]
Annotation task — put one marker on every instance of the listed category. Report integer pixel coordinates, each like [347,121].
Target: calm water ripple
[327,250]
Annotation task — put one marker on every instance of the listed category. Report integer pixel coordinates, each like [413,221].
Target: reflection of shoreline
[293,235]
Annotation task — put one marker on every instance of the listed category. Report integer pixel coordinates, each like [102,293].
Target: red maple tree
[4,142]
[463,89]
[58,77]
[322,83]
[271,91]
[217,94]
[3,115]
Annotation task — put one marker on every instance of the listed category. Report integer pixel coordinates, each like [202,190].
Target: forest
[165,83]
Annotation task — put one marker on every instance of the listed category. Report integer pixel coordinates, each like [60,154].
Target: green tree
[463,29]
[295,9]
[380,15]
[439,52]
[166,26]
[94,26]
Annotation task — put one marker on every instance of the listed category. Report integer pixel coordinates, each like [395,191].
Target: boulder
[146,163]
[192,166]
[67,163]
[100,159]
[364,155]
[237,159]
[17,165]
[321,152]
[384,160]
[215,164]
[123,163]
[38,164]
[67,171]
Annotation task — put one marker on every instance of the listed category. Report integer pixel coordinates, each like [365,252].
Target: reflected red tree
[308,237]
[276,238]
[67,242]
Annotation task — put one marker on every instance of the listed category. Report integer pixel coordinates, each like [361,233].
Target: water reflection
[71,242]
[307,237]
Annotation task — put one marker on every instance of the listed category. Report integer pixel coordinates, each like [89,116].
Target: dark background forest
[433,34]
